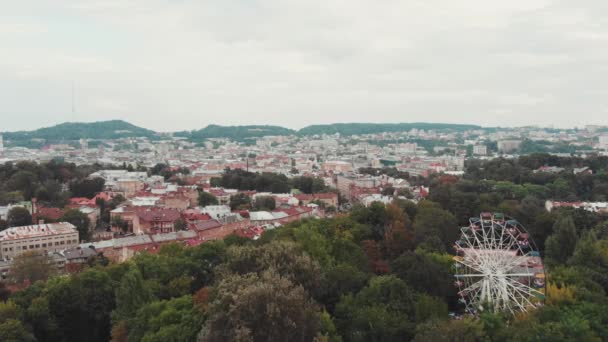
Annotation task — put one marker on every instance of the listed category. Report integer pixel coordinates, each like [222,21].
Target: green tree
[80,220]
[382,311]
[13,330]
[262,308]
[561,244]
[206,198]
[131,294]
[431,221]
[31,266]
[240,201]
[170,320]
[18,216]
[264,203]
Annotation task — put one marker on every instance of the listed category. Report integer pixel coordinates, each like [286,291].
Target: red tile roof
[159,215]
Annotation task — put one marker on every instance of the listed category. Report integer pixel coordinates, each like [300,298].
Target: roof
[23,232]
[206,225]
[179,235]
[164,215]
[260,216]
[76,253]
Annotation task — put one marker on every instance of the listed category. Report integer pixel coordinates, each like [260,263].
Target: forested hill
[235,132]
[68,131]
[113,129]
[371,128]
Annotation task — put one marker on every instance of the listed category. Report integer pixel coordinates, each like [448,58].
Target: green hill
[70,131]
[235,132]
[371,128]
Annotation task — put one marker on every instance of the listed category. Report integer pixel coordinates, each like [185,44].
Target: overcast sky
[180,64]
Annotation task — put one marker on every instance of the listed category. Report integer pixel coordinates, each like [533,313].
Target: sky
[181,65]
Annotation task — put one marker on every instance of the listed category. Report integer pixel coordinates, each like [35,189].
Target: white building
[50,237]
[507,146]
[480,150]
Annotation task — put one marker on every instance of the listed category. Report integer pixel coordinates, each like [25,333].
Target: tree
[180,224]
[13,330]
[466,329]
[80,305]
[31,266]
[264,307]
[87,187]
[19,216]
[131,294]
[399,235]
[382,311]
[240,201]
[427,273]
[265,203]
[561,244]
[434,221]
[80,220]
[206,198]
[170,320]
[119,222]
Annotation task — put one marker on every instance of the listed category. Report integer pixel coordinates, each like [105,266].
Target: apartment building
[50,237]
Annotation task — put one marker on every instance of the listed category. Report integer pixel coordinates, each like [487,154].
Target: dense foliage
[73,131]
[235,132]
[268,182]
[382,273]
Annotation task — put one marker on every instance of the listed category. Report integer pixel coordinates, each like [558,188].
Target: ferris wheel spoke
[494,267]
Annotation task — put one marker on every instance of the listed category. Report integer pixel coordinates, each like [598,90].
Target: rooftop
[23,232]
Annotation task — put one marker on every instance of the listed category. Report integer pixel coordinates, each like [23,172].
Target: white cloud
[172,65]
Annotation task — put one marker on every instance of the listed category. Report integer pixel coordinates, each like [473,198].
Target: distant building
[1,145]
[480,150]
[337,166]
[603,142]
[508,146]
[51,237]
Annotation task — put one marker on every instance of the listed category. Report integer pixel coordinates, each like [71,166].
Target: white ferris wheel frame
[494,270]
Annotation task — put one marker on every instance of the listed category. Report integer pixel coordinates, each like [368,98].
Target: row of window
[44,245]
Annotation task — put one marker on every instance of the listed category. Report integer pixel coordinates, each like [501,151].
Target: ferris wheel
[497,267]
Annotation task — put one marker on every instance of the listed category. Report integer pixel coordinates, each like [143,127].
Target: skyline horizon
[144,126]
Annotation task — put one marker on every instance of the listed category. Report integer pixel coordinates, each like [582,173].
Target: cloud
[172,65]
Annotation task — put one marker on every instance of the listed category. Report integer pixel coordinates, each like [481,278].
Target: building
[1,145]
[508,146]
[337,166]
[50,237]
[480,150]
[602,145]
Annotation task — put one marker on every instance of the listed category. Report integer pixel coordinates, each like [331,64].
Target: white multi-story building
[51,237]
[480,150]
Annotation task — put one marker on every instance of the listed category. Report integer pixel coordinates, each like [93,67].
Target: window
[31,246]
[24,247]
[43,245]
[37,246]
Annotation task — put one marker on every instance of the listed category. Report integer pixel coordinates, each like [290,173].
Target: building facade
[50,237]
